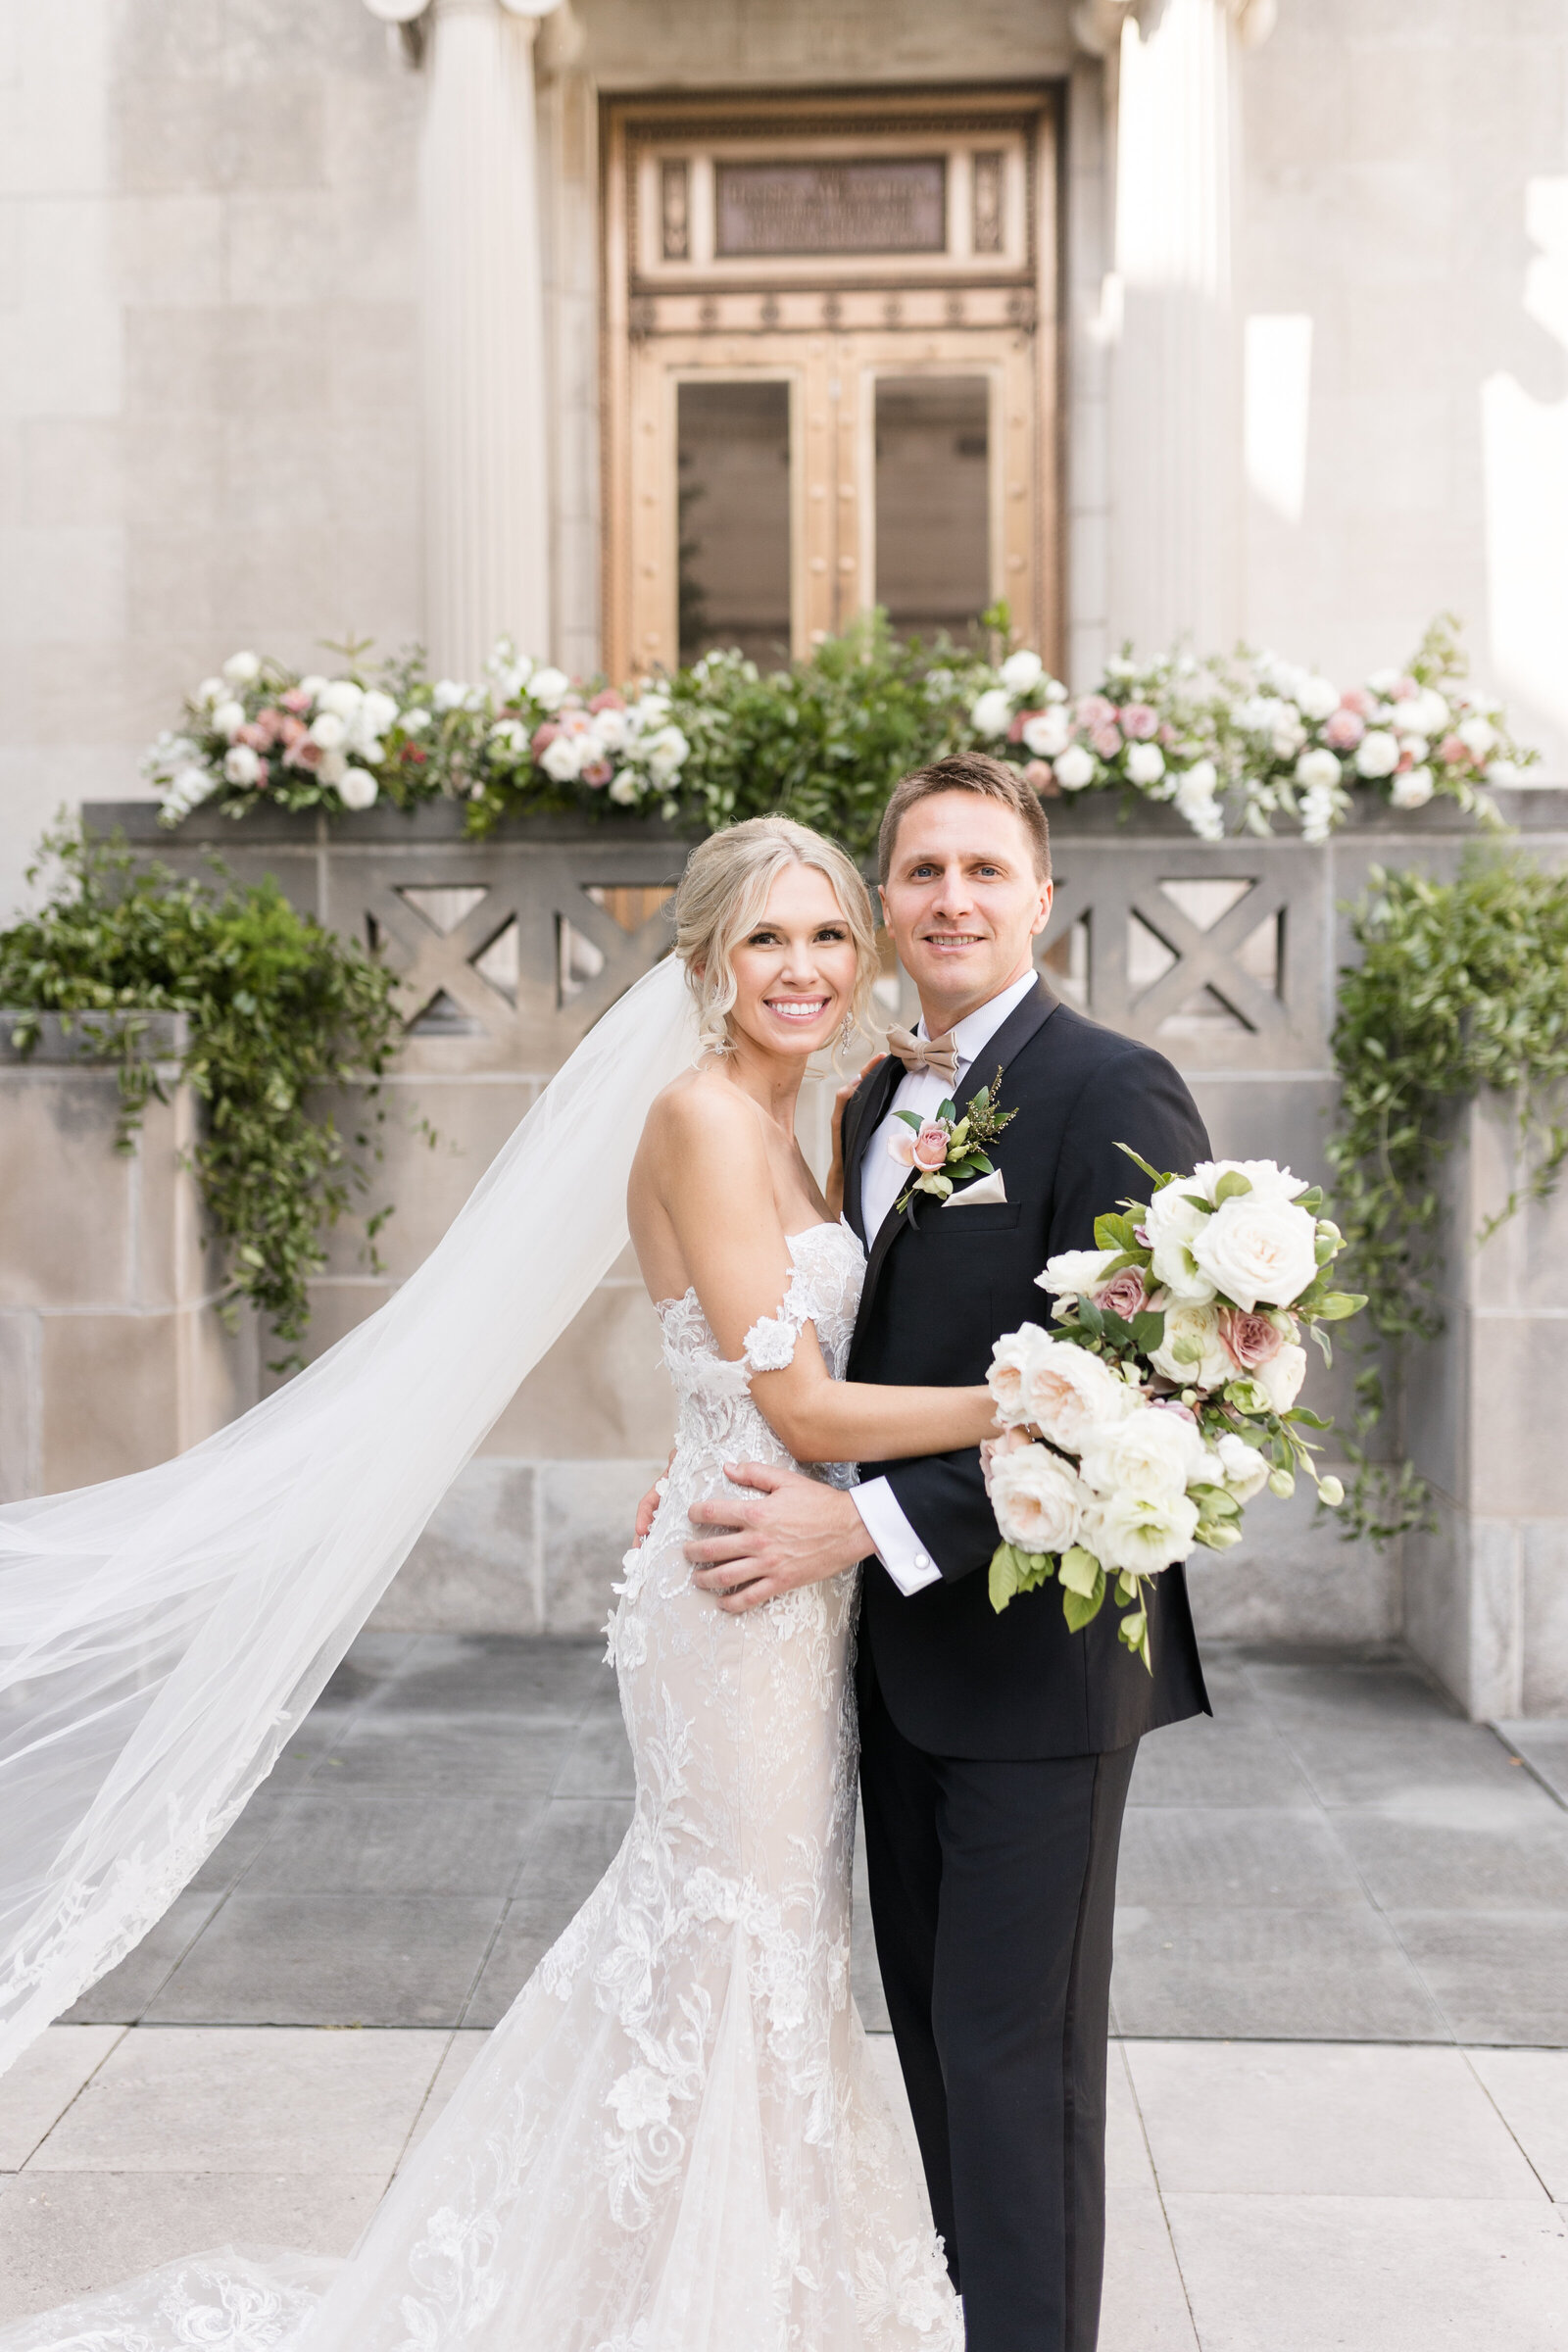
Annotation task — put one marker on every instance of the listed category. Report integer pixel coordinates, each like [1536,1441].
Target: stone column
[486,422]
[1175,559]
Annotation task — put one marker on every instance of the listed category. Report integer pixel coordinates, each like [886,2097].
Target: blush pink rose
[1042,777]
[290,730]
[255,734]
[1011,1440]
[608,700]
[305,753]
[1357,699]
[931,1146]
[1020,721]
[1107,740]
[597,772]
[1454,752]
[1124,1295]
[543,738]
[1345,730]
[1174,1404]
[1139,721]
[1095,712]
[1251,1340]
[294,700]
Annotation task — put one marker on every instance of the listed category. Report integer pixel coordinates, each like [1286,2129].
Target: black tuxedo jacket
[941,1288]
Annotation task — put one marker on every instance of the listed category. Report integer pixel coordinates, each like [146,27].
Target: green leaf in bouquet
[1002,1577]
[910,1118]
[1299,1412]
[1311,1199]
[1079,1570]
[1081,1608]
[1231,1186]
[981,1165]
[1215,1502]
[1116,1232]
[1148,1330]
[1091,1316]
[1340,1305]
[947,1109]
[1126,1587]
[1158,1180]
[1217,1535]
[1133,1633]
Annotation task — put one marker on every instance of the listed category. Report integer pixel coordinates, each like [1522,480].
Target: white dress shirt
[882,1180]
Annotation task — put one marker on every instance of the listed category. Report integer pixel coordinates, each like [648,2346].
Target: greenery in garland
[277,1005]
[1463,986]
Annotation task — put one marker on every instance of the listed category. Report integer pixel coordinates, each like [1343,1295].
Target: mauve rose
[1124,1295]
[1094,710]
[608,700]
[1040,775]
[543,738]
[1250,1338]
[295,700]
[1454,752]
[1345,730]
[255,735]
[306,754]
[1358,699]
[291,729]
[597,772]
[1139,721]
[1107,740]
[931,1146]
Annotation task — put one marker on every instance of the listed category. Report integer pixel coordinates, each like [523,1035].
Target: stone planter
[1224,957]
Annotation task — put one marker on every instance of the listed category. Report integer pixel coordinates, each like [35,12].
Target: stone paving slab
[1340,2198]
[1337,1856]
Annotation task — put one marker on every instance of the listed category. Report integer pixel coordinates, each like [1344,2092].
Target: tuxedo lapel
[868,1110]
[1020,1025]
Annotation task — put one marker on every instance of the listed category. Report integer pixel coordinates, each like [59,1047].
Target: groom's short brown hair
[966,772]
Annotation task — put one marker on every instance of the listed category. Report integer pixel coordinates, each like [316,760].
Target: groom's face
[964,901]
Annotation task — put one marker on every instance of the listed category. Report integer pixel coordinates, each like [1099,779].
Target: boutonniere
[944,1151]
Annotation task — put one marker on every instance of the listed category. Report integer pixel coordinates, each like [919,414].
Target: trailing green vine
[277,1006]
[1462,987]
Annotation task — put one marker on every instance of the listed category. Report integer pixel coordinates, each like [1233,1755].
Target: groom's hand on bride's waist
[789,1530]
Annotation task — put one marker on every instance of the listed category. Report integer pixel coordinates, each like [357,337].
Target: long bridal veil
[161,1635]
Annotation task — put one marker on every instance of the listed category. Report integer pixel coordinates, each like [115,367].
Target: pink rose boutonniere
[944,1151]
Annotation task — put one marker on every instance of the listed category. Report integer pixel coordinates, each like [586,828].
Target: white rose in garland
[1075,767]
[1154,1453]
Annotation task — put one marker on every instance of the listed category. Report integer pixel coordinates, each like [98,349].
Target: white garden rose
[1021,672]
[414,721]
[549,687]
[242,670]
[1076,1273]
[448,694]
[1037,1498]
[1478,735]
[1413,789]
[1315,697]
[626,788]
[1126,1531]
[610,730]
[341,697]
[356,788]
[1011,1359]
[241,765]
[1046,734]
[210,692]
[335,766]
[1075,767]
[563,759]
[1282,1376]
[1502,771]
[1377,754]
[1256,1249]
[377,711]
[1264,1177]
[1242,1468]
[1199,1327]
[1318,768]
[992,712]
[312,684]
[228,718]
[1068,1394]
[1173,1223]
[1146,763]
[1151,1453]
[664,751]
[328,730]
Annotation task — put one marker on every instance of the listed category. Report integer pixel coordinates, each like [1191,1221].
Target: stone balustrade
[1224,957]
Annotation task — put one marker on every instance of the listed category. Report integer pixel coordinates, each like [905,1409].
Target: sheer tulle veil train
[161,1635]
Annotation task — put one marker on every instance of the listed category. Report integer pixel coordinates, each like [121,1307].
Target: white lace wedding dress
[673,2141]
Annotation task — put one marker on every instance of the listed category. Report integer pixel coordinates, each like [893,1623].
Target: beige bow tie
[939,1053]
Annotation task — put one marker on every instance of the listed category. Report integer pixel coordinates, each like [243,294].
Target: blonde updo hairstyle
[725,893]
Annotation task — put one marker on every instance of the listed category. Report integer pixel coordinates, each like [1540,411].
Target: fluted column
[1175,402]
[486,482]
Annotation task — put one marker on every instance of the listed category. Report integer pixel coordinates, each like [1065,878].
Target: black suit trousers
[993,1889]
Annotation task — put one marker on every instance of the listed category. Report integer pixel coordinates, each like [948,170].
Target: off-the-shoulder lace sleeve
[770,1342]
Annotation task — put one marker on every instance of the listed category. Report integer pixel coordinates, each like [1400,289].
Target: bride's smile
[794,970]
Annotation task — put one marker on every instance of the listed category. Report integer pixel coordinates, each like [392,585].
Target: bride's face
[794,970]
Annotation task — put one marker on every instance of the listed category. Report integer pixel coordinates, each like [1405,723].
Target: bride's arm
[718,1191]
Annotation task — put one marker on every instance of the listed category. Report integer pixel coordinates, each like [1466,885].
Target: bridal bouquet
[1166,1396]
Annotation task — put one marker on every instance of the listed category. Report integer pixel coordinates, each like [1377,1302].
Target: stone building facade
[330,318]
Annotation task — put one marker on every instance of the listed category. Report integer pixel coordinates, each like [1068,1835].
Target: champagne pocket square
[979,1194]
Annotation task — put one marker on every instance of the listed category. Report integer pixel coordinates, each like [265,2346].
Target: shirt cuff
[893,1539]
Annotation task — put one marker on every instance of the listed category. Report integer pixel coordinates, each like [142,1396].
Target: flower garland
[1227,742]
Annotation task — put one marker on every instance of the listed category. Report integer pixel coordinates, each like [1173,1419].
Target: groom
[996,1751]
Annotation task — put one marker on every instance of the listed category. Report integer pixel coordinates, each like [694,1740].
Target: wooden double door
[831,362]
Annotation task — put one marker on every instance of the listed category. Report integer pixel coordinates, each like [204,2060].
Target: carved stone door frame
[678,307]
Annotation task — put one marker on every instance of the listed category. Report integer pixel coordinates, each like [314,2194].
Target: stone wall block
[65,1237]
[587,1515]
[1290,1578]
[111,1396]
[475,1569]
[21,1432]
[1543,1609]
[601,1392]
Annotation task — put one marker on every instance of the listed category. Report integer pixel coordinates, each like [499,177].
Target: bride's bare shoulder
[702,1120]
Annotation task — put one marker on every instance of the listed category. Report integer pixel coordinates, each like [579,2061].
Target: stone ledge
[77,1037]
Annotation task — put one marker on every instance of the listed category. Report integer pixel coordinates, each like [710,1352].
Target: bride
[672,2143]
